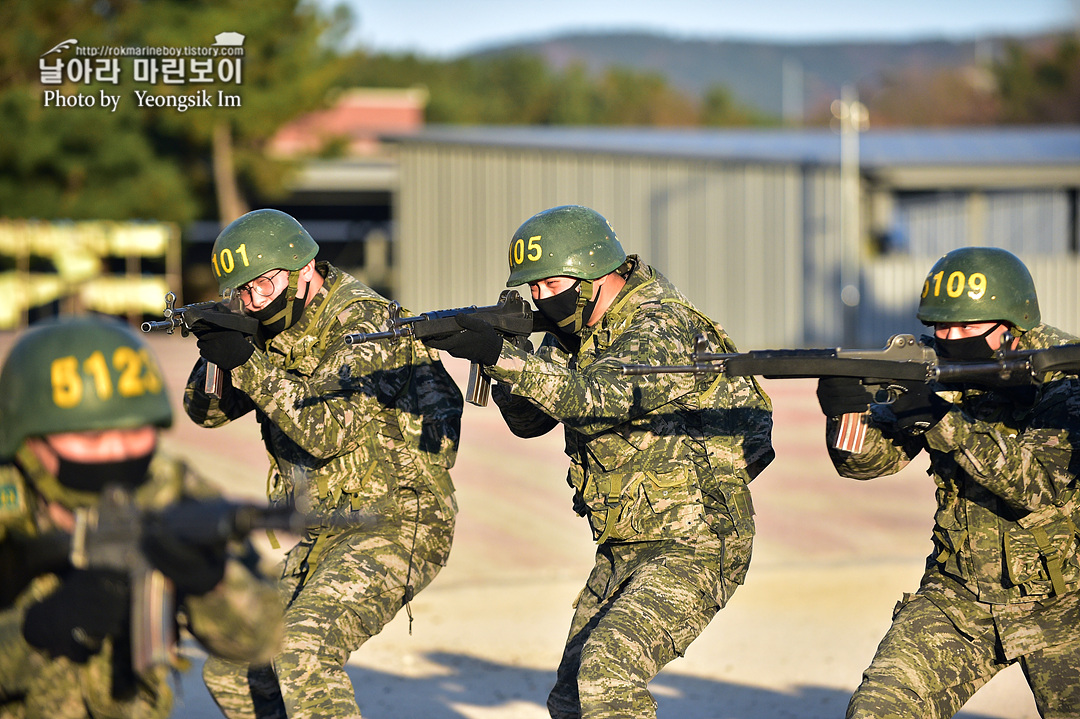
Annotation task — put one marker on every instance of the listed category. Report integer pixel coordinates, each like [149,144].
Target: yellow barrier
[70,262]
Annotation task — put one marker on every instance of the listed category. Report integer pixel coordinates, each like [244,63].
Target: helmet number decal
[137,376]
[519,251]
[227,263]
[132,381]
[955,285]
[66,382]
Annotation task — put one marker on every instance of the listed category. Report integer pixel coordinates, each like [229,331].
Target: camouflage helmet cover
[78,374]
[979,284]
[257,243]
[564,241]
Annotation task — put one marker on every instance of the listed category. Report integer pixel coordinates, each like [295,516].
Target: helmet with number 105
[565,241]
[979,284]
[257,243]
[78,374]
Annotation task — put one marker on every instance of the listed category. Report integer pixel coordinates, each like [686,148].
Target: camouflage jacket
[240,619]
[652,458]
[346,427]
[1007,497]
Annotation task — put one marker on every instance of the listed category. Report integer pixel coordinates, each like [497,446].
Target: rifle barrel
[152,325]
[1016,371]
[643,369]
[356,338]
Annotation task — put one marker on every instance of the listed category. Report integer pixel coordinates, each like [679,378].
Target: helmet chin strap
[292,309]
[586,304]
[577,321]
[48,485]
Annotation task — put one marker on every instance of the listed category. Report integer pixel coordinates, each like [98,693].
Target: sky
[448,28]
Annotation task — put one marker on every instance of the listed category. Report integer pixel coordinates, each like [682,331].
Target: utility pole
[792,93]
[853,118]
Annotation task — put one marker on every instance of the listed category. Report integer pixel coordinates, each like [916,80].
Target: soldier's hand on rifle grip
[195,569]
[74,620]
[843,395]
[227,349]
[918,408]
[477,342]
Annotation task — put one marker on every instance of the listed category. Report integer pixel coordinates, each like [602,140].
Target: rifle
[903,359]
[109,535]
[184,319]
[511,317]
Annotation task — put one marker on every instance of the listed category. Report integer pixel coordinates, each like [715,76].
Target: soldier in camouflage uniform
[352,432]
[1001,585]
[81,401]
[659,466]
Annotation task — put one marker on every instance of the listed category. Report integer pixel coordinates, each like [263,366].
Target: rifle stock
[903,359]
[512,317]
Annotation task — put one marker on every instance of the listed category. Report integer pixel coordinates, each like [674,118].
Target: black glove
[72,621]
[917,409]
[843,395]
[225,348]
[477,342]
[194,568]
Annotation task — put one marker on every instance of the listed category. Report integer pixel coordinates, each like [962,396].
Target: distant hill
[756,72]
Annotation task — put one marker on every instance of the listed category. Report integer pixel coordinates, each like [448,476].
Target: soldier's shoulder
[1043,336]
[170,479]
[349,289]
[353,302]
[13,494]
[666,314]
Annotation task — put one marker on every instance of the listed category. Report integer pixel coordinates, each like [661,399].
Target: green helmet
[565,241]
[979,284]
[77,374]
[258,242]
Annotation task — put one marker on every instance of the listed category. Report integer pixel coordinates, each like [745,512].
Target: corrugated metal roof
[969,146]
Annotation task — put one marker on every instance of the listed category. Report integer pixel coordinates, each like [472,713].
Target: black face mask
[562,308]
[265,316]
[966,349]
[93,476]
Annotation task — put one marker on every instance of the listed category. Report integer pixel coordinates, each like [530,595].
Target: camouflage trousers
[940,651]
[357,587]
[642,606]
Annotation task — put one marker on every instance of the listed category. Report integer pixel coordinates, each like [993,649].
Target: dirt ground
[831,559]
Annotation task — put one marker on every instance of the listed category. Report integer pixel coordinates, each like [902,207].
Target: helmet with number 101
[565,241]
[257,243]
[78,374]
[979,284]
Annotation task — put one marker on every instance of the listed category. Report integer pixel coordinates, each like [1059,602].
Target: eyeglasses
[263,285]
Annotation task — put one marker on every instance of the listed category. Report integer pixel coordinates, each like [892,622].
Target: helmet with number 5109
[979,284]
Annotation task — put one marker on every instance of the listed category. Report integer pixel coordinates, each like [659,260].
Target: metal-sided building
[748,222]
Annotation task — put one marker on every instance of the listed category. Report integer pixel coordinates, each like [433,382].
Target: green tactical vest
[626,477]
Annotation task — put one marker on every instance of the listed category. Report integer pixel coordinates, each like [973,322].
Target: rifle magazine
[153,622]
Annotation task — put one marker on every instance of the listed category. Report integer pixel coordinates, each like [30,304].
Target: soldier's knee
[884,697]
[217,671]
[308,653]
[606,661]
[563,704]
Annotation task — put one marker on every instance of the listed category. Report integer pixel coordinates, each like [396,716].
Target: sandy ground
[831,559]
